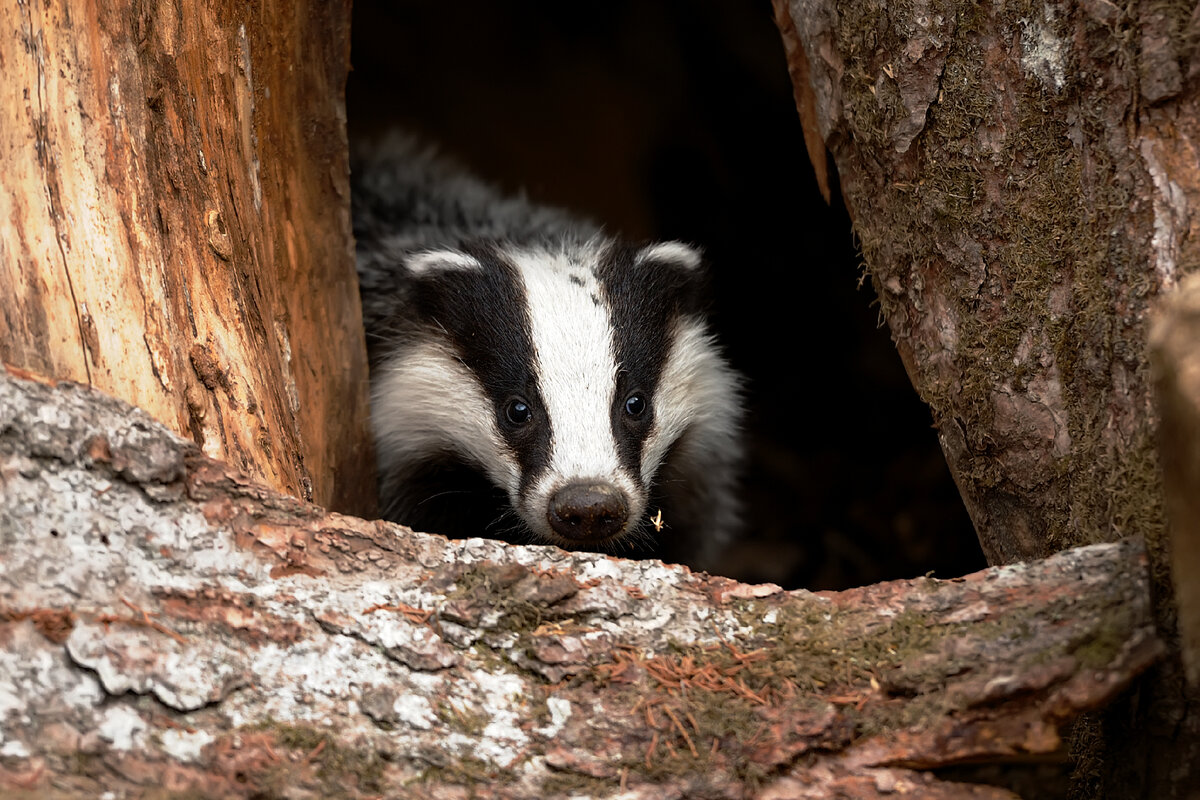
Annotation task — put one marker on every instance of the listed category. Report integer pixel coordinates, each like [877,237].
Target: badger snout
[588,512]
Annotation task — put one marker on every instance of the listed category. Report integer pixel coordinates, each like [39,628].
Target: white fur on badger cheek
[427,402]
[577,376]
[697,389]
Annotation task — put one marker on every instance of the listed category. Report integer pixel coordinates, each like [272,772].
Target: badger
[533,379]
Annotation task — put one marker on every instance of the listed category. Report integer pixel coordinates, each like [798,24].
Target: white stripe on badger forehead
[697,390]
[576,369]
[427,402]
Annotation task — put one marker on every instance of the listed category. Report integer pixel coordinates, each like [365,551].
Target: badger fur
[533,379]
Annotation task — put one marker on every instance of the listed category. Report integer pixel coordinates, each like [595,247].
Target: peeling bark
[175,228]
[166,624]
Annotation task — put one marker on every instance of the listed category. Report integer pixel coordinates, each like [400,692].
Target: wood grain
[174,225]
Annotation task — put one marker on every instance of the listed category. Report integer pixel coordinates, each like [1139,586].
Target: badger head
[566,375]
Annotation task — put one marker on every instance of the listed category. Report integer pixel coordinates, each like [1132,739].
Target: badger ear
[676,254]
[434,262]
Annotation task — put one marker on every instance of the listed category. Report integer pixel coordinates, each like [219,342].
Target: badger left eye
[635,405]
[518,412]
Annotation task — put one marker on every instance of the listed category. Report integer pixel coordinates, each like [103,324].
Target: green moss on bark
[1011,209]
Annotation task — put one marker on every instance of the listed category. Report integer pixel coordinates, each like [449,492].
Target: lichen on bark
[161,615]
[1007,236]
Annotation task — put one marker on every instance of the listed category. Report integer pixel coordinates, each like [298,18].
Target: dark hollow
[676,120]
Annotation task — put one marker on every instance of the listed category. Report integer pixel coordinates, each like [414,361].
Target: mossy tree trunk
[174,225]
[1023,180]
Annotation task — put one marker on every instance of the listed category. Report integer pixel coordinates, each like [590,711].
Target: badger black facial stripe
[482,313]
[645,296]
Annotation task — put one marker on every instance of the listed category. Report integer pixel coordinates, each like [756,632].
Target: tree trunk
[1175,354]
[1019,179]
[167,626]
[1023,181]
[174,225]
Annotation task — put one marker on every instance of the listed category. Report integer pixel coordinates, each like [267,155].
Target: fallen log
[166,625]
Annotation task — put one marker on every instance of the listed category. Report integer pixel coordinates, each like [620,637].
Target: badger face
[564,375]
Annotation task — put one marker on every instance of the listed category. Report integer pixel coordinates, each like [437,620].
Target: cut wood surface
[168,626]
[175,230]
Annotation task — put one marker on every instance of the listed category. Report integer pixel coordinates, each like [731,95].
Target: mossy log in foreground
[168,629]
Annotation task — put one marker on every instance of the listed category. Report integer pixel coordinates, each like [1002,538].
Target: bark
[1023,180]
[1020,178]
[174,225]
[168,626]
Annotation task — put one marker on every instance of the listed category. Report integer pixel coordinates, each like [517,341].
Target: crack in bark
[41,143]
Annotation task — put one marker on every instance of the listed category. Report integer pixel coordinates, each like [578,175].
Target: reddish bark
[165,622]
[175,228]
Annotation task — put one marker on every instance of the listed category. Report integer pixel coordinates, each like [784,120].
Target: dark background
[676,120]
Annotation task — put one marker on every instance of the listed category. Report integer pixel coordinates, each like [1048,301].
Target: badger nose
[588,512]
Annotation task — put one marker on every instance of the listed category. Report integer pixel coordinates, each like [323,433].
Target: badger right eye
[518,411]
[635,405]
